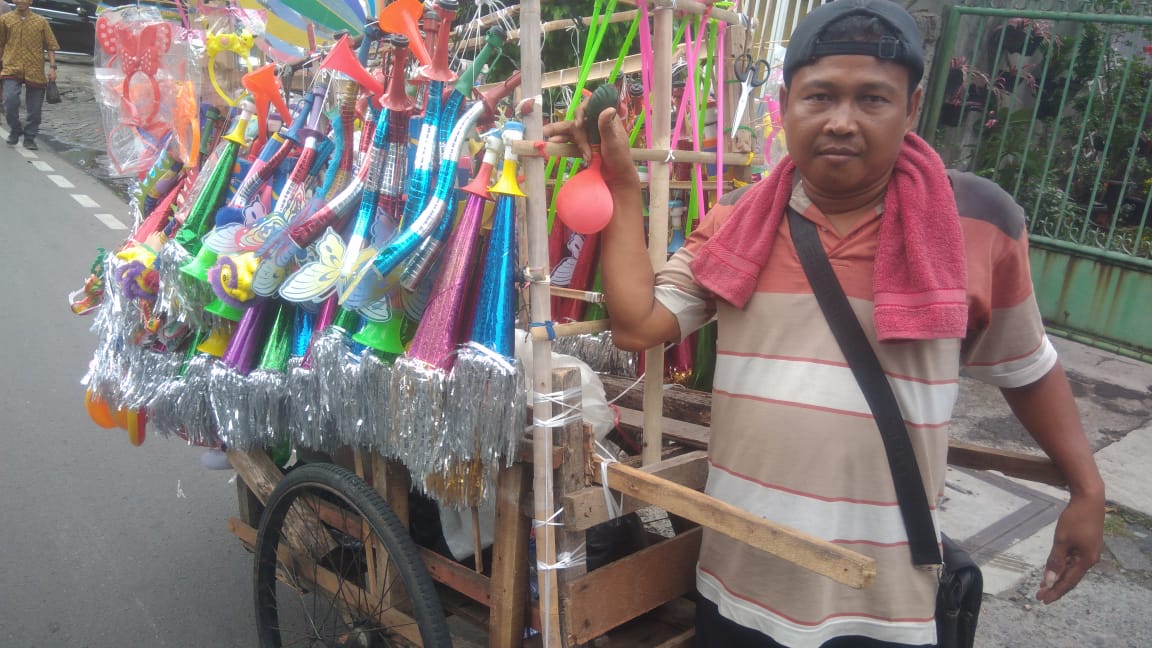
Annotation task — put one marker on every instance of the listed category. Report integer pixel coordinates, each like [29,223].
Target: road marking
[86,201]
[111,222]
[62,182]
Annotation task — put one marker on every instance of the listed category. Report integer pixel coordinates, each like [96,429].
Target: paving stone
[1128,554]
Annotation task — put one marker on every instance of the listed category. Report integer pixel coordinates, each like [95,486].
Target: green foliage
[563,48]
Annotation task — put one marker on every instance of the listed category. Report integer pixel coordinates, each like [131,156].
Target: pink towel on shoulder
[921,276]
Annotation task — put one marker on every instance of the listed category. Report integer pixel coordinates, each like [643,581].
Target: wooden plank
[249,505]
[456,576]
[804,550]
[570,477]
[1012,464]
[586,507]
[349,593]
[680,403]
[688,434]
[683,640]
[301,529]
[620,591]
[508,587]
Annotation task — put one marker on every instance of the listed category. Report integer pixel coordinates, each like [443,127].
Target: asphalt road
[101,543]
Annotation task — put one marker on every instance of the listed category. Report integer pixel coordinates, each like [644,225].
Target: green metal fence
[1054,106]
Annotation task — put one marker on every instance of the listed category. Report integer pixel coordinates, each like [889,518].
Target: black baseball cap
[805,44]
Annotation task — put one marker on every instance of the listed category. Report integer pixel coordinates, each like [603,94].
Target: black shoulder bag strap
[877,391]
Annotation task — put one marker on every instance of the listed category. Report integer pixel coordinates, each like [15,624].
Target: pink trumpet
[439,332]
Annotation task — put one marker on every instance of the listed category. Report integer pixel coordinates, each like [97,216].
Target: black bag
[961,583]
[52,93]
[958,599]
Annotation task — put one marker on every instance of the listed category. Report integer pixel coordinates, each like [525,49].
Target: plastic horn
[493,41]
[271,239]
[265,88]
[493,96]
[407,241]
[398,104]
[439,329]
[428,148]
[496,304]
[439,69]
[385,337]
[403,17]
[396,97]
[343,60]
[218,169]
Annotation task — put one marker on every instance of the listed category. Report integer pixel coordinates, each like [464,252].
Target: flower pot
[950,114]
[1021,40]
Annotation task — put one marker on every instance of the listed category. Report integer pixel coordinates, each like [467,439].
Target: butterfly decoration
[318,278]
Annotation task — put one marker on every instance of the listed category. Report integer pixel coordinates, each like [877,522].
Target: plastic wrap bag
[143,79]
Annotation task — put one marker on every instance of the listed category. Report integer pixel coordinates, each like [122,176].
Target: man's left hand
[51,75]
[1076,547]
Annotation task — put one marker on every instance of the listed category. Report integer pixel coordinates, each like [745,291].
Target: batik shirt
[24,40]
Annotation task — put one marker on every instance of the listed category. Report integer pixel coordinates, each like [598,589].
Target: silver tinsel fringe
[303,405]
[374,400]
[229,398]
[332,360]
[193,406]
[598,351]
[487,408]
[419,435]
[268,406]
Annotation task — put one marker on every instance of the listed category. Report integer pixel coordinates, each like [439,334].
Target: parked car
[73,22]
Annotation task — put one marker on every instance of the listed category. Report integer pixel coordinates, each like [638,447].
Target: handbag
[52,93]
[961,587]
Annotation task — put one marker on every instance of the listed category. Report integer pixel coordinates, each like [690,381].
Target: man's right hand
[617,168]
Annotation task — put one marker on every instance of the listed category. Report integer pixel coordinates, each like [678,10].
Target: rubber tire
[402,551]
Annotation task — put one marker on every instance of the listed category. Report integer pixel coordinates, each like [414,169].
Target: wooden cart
[343,530]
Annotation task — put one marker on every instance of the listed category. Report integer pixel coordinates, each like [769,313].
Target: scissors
[751,73]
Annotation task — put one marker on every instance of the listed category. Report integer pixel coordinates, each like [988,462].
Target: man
[939,280]
[24,38]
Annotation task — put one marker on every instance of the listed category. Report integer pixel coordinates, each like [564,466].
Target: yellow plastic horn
[217,340]
[508,184]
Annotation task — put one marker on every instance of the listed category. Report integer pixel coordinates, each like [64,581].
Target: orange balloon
[98,410]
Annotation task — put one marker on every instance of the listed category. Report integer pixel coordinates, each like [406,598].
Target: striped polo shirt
[794,441]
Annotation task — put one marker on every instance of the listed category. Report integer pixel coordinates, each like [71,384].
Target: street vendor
[935,266]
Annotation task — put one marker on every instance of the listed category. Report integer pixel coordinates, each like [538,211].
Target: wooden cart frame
[558,470]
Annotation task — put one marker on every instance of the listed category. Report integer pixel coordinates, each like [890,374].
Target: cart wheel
[339,599]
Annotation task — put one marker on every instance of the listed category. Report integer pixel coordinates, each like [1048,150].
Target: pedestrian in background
[24,38]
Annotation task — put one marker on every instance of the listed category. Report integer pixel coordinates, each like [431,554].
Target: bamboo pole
[540,305]
[555,25]
[659,172]
[694,7]
[534,148]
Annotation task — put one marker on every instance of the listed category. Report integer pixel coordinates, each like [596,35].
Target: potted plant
[954,91]
[1023,35]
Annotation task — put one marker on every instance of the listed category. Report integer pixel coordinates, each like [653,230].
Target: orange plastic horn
[494,95]
[403,17]
[342,59]
[265,87]
[439,70]
[397,99]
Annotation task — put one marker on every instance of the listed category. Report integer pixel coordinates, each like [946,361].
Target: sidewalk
[1007,524]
